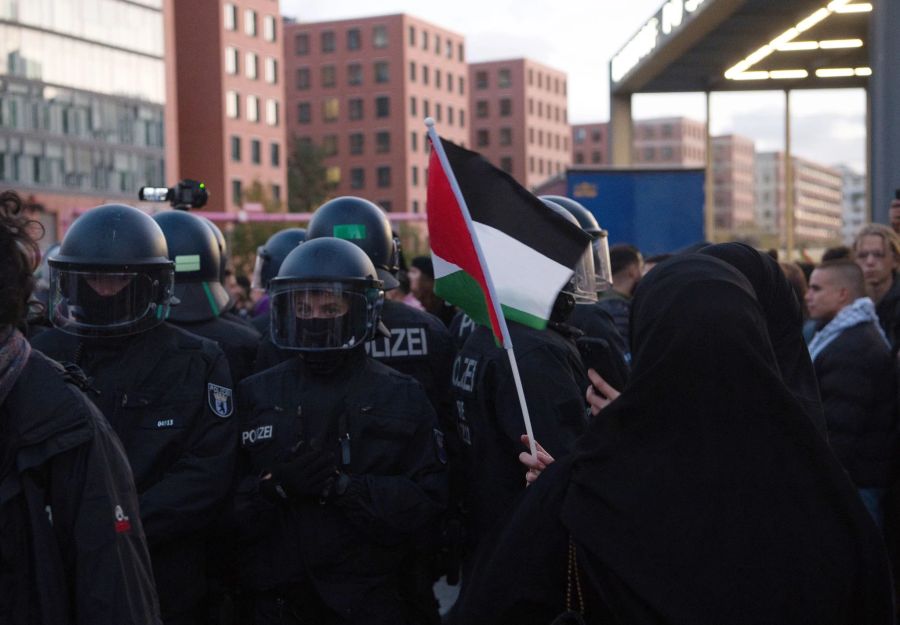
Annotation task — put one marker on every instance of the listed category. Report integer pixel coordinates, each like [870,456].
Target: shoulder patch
[220,399]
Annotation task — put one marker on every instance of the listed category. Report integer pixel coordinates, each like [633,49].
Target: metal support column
[620,126]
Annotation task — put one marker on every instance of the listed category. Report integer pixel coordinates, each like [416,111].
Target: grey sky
[579,36]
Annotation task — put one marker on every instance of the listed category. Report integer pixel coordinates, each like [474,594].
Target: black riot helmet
[112,275]
[326,300]
[600,237]
[365,225]
[581,284]
[270,256]
[194,250]
[223,246]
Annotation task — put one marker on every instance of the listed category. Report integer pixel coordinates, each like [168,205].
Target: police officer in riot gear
[489,417]
[228,312]
[602,346]
[268,260]
[343,463]
[167,393]
[201,294]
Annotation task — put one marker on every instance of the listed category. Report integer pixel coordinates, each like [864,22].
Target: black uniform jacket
[383,432]
[72,547]
[168,395]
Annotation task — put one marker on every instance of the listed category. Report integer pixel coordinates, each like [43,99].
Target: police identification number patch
[220,399]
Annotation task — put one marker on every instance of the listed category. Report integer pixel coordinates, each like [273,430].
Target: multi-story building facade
[520,118]
[670,141]
[82,89]
[817,199]
[225,109]
[362,88]
[733,183]
[590,144]
[854,202]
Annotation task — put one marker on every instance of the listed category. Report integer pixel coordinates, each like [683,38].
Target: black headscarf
[784,321]
[704,494]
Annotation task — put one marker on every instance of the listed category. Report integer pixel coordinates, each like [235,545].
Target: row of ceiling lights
[785,42]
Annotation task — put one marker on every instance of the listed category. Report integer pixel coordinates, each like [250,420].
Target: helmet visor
[109,303]
[257,281]
[602,266]
[582,286]
[323,316]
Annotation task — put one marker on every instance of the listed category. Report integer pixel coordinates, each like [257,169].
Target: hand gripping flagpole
[492,292]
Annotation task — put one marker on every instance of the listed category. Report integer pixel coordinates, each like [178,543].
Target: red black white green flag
[494,241]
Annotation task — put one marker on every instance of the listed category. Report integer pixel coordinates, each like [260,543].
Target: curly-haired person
[72,549]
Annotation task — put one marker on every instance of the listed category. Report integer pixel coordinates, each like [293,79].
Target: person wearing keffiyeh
[72,548]
[854,367]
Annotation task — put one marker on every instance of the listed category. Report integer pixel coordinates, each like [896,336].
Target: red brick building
[361,89]
[520,118]
[224,104]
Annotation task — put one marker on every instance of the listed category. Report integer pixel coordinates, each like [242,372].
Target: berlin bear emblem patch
[220,399]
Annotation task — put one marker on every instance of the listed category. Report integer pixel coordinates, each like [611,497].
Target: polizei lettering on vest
[464,370]
[403,343]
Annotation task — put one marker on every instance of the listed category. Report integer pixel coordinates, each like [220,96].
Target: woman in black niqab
[784,321]
[702,495]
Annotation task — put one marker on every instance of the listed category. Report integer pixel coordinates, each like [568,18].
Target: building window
[237,194]
[329,76]
[275,154]
[481,80]
[414,141]
[450,82]
[250,22]
[505,136]
[236,149]
[482,109]
[382,72]
[304,113]
[326,41]
[333,175]
[354,74]
[355,108]
[667,153]
[269,28]
[541,86]
[271,70]
[380,37]
[329,145]
[276,192]
[384,177]
[505,107]
[506,164]
[596,157]
[437,111]
[415,176]
[482,138]
[540,134]
[233,104]
[579,158]
[462,119]
[426,108]
[437,78]
[231,61]
[385,205]
[530,135]
[540,107]
[272,112]
[412,71]
[301,44]
[354,39]
[255,151]
[649,154]
[460,50]
[504,78]
[357,177]
[450,115]
[580,134]
[667,130]
[448,51]
[596,135]
[382,142]
[357,143]
[462,86]
[331,108]
[230,17]
[252,108]
[412,36]
[250,65]
[424,39]
[424,74]
[437,44]
[412,105]
[415,206]
[382,106]
[302,78]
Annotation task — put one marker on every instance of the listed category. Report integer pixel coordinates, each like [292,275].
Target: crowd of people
[321,442]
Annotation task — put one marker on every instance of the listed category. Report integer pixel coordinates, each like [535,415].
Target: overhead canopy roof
[691,45]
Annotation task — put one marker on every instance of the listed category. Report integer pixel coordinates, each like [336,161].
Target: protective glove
[310,474]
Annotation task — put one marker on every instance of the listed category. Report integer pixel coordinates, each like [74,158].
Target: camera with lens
[185,195]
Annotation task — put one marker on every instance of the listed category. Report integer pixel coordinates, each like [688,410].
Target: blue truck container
[655,210]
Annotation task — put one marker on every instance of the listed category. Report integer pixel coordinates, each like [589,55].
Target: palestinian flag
[492,240]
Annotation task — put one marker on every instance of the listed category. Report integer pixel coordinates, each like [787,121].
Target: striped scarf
[862,310]
[14,352]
